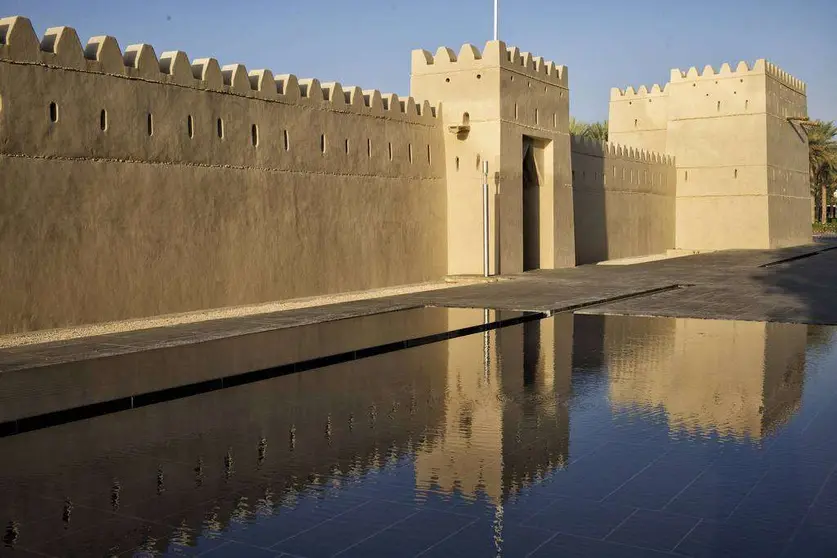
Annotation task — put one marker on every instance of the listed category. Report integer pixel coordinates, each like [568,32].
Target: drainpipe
[485,218]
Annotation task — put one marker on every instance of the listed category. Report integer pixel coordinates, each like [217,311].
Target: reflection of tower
[505,421]
[738,379]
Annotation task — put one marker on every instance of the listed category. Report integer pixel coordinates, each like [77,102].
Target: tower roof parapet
[61,48]
[495,54]
[759,67]
[596,148]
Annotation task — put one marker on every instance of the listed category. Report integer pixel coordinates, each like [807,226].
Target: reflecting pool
[567,436]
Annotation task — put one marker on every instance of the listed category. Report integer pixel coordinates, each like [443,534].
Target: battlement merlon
[629,94]
[760,67]
[61,48]
[495,54]
[596,148]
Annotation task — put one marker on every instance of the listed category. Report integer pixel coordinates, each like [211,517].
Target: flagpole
[496,10]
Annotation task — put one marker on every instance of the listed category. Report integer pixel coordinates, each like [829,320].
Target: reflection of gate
[531,207]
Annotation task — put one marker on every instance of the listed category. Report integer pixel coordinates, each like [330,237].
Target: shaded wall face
[147,198]
[624,207]
[788,175]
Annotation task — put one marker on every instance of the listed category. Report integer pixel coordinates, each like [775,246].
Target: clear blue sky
[605,43]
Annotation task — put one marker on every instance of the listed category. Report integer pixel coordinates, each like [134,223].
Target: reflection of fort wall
[733,378]
[505,421]
[227,452]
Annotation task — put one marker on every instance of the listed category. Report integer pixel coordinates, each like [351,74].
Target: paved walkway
[741,285]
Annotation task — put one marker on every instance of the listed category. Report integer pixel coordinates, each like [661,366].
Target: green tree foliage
[822,158]
[593,130]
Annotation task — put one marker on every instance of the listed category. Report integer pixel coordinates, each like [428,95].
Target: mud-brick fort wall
[134,185]
[624,201]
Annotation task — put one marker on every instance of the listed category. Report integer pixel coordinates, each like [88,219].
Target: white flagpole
[496,10]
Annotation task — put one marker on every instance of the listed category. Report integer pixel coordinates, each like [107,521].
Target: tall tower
[512,110]
[741,158]
[742,179]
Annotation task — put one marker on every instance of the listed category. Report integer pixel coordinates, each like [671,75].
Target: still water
[568,436]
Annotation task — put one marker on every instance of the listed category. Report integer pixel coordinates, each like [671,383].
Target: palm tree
[577,127]
[595,130]
[822,158]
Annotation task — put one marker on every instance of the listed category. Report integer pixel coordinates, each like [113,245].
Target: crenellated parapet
[495,54]
[596,148]
[643,92]
[61,48]
[742,69]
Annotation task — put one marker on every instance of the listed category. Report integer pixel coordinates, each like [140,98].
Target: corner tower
[512,110]
[742,161]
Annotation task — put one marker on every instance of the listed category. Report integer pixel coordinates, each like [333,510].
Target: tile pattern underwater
[583,435]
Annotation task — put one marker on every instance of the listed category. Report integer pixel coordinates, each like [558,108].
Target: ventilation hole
[347,146]
[478,162]
[537,116]
[287,141]
[447,80]
[369,148]
[735,174]
[479,76]
[190,125]
[636,122]
[515,111]
[254,135]
[53,112]
[150,124]
[529,84]
[103,120]
[630,102]
[554,120]
[220,128]
[410,152]
[429,157]
[746,104]
[719,106]
[390,151]
[322,143]
[687,176]
[512,78]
